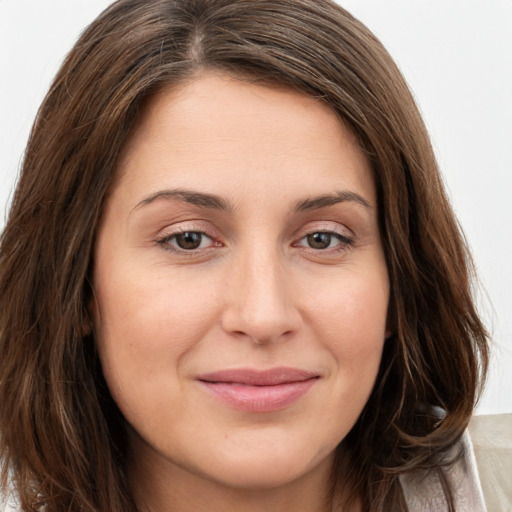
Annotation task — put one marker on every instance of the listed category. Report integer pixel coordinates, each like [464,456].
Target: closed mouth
[259,391]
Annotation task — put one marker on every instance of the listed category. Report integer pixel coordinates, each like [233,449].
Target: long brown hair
[62,440]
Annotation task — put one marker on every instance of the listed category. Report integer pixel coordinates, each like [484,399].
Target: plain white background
[457,57]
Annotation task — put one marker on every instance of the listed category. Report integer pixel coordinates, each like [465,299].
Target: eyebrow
[216,202]
[315,203]
[188,196]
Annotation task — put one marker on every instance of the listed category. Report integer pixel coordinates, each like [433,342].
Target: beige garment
[492,442]
[423,492]
[482,480]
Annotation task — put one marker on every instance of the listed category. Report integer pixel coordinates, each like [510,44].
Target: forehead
[221,128]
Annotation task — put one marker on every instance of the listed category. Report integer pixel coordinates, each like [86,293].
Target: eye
[321,240]
[186,241]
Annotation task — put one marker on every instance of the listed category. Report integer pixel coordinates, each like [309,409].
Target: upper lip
[253,377]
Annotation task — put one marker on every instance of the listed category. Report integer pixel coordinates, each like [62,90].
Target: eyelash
[344,242]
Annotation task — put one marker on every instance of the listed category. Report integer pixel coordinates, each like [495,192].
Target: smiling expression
[241,286]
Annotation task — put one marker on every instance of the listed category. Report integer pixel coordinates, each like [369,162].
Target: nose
[259,301]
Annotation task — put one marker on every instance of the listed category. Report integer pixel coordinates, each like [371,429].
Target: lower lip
[259,398]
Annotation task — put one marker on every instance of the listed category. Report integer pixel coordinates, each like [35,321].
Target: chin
[270,467]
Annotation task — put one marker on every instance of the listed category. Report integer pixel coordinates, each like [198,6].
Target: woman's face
[241,287]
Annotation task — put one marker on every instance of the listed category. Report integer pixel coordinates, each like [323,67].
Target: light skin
[241,233]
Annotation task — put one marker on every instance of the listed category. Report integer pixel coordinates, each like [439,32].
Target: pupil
[319,240]
[189,240]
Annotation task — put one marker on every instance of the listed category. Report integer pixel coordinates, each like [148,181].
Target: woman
[230,278]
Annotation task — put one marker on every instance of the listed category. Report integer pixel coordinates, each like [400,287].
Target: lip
[252,390]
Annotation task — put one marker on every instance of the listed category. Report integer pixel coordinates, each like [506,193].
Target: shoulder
[423,492]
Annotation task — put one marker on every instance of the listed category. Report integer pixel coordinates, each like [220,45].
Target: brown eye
[189,240]
[319,240]
[322,240]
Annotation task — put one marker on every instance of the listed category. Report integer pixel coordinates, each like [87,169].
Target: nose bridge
[259,304]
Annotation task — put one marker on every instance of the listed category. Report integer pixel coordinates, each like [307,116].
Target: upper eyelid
[177,232]
[326,227]
[181,232]
[193,225]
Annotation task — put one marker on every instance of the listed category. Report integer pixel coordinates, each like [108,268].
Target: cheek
[352,313]
[147,325]
[146,335]
[355,340]
[350,317]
